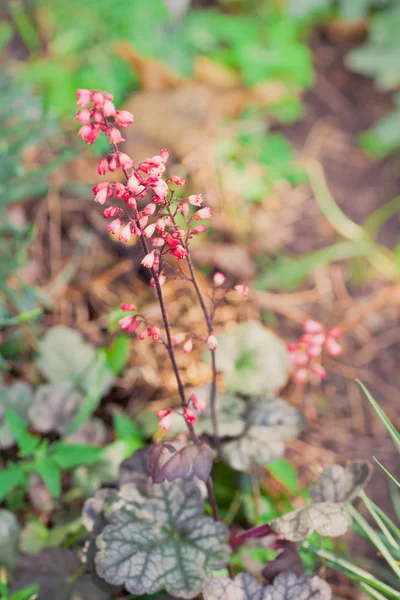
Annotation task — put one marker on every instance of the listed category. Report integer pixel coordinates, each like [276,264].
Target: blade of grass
[375,539]
[378,520]
[371,592]
[395,530]
[385,420]
[387,472]
[352,571]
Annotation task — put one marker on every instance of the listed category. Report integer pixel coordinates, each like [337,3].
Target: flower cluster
[305,355]
[196,403]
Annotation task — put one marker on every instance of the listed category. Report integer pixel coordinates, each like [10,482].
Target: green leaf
[17,397]
[6,32]
[49,471]
[9,535]
[338,484]
[163,525]
[283,471]
[127,430]
[390,428]
[287,586]
[326,518]
[26,442]
[69,456]
[10,478]
[104,471]
[253,360]
[28,593]
[118,353]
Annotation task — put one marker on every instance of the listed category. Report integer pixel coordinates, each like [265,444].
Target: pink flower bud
[123,118]
[292,346]
[314,351]
[128,307]
[160,189]
[164,155]
[177,180]
[129,323]
[149,209]
[125,234]
[98,117]
[84,97]
[111,211]
[318,370]
[148,232]
[219,279]
[242,289]
[185,208]
[301,376]
[108,109]
[89,133]
[101,195]
[158,242]
[148,260]
[196,199]
[134,184]
[188,346]
[198,403]
[114,226]
[212,342]
[102,166]
[115,136]
[178,338]
[203,213]
[311,326]
[179,252]
[165,423]
[98,98]
[189,415]
[119,190]
[335,332]
[199,229]
[163,413]
[125,161]
[145,333]
[333,347]
[113,164]
[84,116]
[155,333]
[299,359]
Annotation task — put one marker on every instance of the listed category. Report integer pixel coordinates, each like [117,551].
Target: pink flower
[148,232]
[149,209]
[219,279]
[145,333]
[102,166]
[89,133]
[185,208]
[212,342]
[84,97]
[134,184]
[164,155]
[98,98]
[199,229]
[125,161]
[311,326]
[301,376]
[157,242]
[189,415]
[299,359]
[179,252]
[196,199]
[155,333]
[108,109]
[128,307]
[333,347]
[203,213]
[292,346]
[159,188]
[188,346]
[318,370]
[111,211]
[115,136]
[177,180]
[125,234]
[102,193]
[129,323]
[198,403]
[242,289]
[163,413]
[178,338]
[123,118]
[113,164]
[165,423]
[114,226]
[84,116]
[335,332]
[148,260]
[314,351]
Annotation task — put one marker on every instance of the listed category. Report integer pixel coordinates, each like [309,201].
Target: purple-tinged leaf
[169,460]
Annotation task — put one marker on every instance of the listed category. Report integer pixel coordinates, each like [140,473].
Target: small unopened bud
[115,136]
[165,423]
[219,279]
[188,346]
[128,307]
[197,403]
[108,108]
[212,342]
[318,370]
[155,333]
[333,347]
[301,376]
[102,166]
[203,213]
[111,211]
[196,199]
[178,339]
[123,118]
[242,289]
[114,226]
[199,229]
[189,415]
[335,332]
[311,326]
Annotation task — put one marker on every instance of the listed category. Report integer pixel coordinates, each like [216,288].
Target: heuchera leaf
[17,397]
[230,410]
[54,406]
[158,537]
[54,570]
[326,518]
[287,586]
[9,534]
[341,484]
[170,460]
[252,359]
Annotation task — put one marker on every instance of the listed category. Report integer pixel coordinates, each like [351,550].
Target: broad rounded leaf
[53,569]
[287,586]
[54,406]
[170,460]
[104,471]
[93,432]
[17,397]
[341,484]
[230,411]
[326,518]
[258,446]
[284,420]
[253,359]
[161,540]
[9,534]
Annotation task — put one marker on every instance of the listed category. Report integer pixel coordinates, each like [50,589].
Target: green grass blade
[387,472]
[387,423]
[371,592]
[378,520]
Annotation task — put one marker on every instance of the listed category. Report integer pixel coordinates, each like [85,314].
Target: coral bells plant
[306,353]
